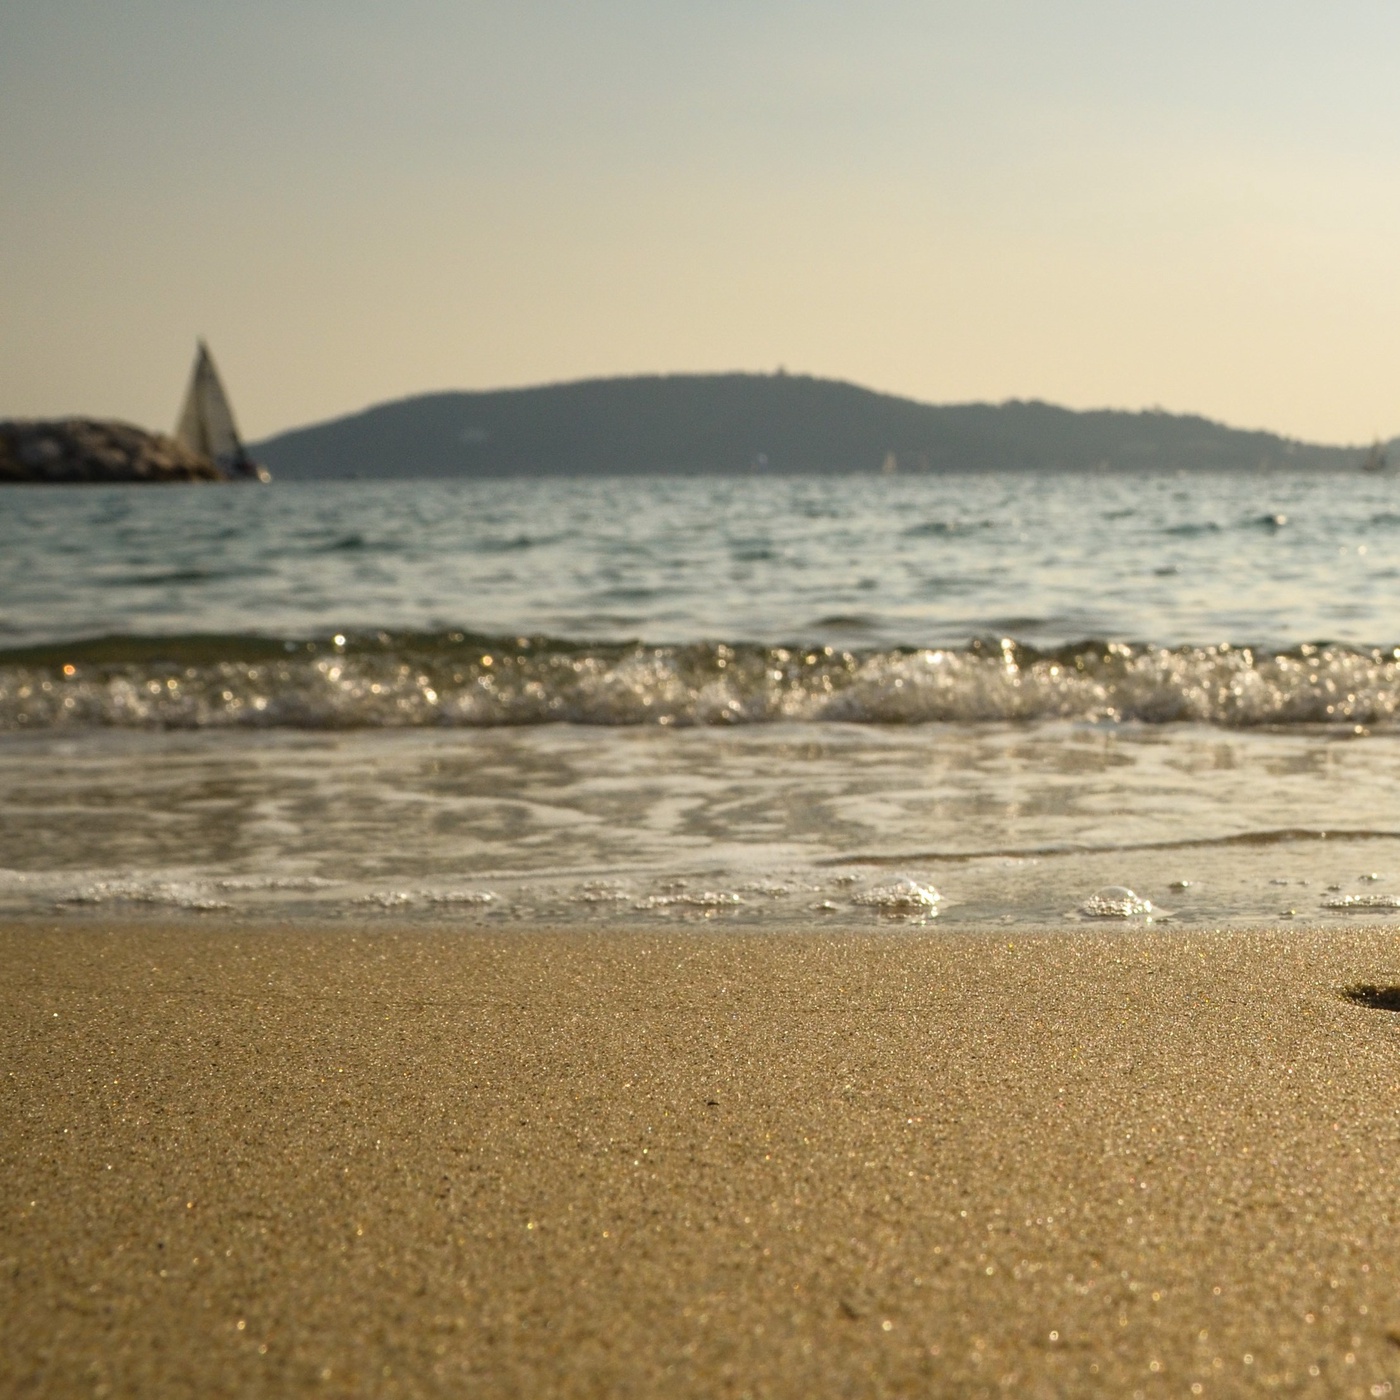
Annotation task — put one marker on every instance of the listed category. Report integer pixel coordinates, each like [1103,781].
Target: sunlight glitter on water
[849,562]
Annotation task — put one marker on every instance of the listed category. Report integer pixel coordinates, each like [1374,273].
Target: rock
[76,450]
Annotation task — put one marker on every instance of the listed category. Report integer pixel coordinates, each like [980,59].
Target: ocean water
[980,700]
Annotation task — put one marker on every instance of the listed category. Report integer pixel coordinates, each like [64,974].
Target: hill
[741,423]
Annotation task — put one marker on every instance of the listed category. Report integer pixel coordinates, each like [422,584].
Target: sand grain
[265,1161]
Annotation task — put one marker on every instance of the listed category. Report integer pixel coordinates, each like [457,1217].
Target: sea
[980,701]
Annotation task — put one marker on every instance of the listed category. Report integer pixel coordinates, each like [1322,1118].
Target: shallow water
[426,700]
[778,823]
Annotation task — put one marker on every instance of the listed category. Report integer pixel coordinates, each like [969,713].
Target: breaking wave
[382,680]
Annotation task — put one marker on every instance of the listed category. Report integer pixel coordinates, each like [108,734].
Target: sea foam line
[460,679]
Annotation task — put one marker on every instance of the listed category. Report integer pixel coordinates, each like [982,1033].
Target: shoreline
[390,1159]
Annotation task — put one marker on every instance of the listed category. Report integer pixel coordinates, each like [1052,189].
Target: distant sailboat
[1375,459]
[206,423]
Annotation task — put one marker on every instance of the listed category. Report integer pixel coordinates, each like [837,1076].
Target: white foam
[176,894]
[402,899]
[249,883]
[1363,901]
[621,685]
[706,899]
[1115,902]
[902,897]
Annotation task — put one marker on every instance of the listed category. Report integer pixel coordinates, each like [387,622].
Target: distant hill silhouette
[690,424]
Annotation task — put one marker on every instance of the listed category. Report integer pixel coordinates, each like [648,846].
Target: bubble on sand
[178,894]
[705,899]
[902,897]
[1115,902]
[400,899]
[1363,901]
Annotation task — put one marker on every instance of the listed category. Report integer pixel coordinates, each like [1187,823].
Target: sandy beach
[245,1160]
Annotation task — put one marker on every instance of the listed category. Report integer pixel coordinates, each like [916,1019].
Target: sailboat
[206,423]
[1375,459]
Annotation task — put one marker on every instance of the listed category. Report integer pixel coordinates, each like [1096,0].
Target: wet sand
[240,1161]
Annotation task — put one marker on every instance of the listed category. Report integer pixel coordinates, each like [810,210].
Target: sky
[1101,203]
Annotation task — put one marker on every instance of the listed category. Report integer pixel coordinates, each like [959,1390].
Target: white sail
[206,421]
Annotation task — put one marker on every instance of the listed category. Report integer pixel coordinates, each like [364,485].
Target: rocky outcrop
[90,450]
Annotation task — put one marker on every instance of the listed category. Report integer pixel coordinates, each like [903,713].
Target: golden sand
[266,1161]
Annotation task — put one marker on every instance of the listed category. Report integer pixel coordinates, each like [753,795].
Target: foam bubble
[401,899]
[250,883]
[602,892]
[175,894]
[705,899]
[1363,901]
[1115,902]
[902,897]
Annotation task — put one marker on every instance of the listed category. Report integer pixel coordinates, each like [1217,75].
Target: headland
[72,451]
[757,424]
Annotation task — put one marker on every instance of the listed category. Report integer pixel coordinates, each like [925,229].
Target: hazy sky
[1190,204]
